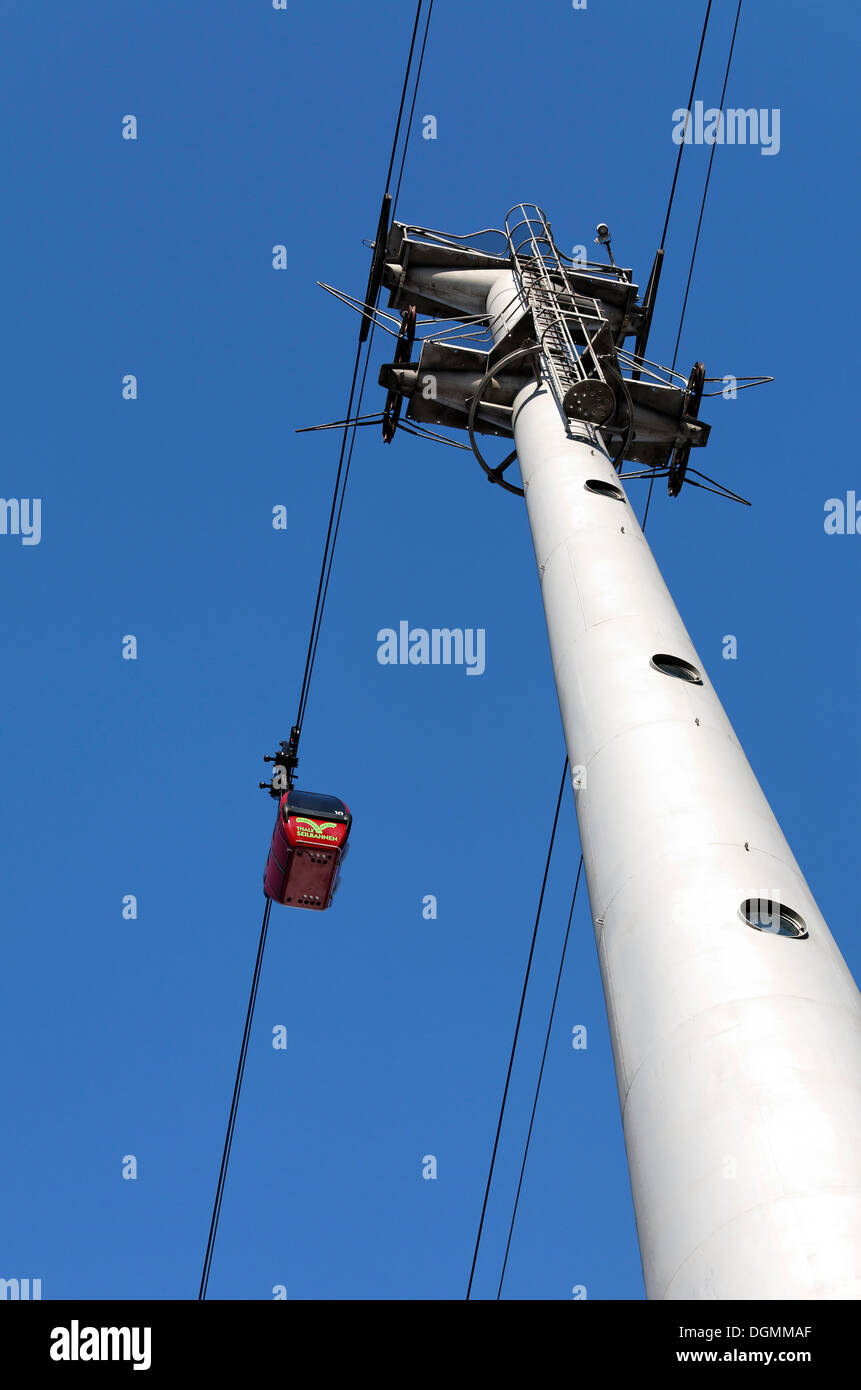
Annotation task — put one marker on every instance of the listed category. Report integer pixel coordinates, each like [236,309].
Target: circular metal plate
[592,401]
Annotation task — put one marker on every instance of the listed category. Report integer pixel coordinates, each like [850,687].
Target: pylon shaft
[737,1051]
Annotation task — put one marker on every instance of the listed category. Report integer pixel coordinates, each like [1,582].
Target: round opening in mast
[602,489]
[764,914]
[676,666]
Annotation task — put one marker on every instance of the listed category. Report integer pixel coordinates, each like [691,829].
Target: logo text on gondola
[436,646]
[316,830]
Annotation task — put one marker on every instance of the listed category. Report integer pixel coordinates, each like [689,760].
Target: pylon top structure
[566,322]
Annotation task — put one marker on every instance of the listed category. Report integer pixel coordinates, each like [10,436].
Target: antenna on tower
[603,239]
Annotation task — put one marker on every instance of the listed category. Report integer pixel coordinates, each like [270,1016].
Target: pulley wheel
[403,353]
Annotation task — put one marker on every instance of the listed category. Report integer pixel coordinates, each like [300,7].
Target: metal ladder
[570,327]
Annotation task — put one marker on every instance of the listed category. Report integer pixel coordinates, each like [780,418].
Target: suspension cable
[319,604]
[404,93]
[328,547]
[702,208]
[413,105]
[349,431]
[540,1075]
[689,109]
[234,1104]
[517,1027]
[706,188]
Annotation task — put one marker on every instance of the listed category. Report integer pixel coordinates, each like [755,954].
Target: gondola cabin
[308,845]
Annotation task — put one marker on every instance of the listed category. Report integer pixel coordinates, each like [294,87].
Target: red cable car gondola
[309,843]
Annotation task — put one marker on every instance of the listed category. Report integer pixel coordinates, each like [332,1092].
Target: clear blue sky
[153,257]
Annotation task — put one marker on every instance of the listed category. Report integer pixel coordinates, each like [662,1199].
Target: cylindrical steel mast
[735,1023]
[737,1051]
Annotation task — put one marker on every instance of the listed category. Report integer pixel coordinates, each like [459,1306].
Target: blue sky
[154,257]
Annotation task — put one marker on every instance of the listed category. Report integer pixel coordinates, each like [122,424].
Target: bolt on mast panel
[735,1023]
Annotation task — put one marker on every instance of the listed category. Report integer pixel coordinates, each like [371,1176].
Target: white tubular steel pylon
[735,1023]
[737,1051]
